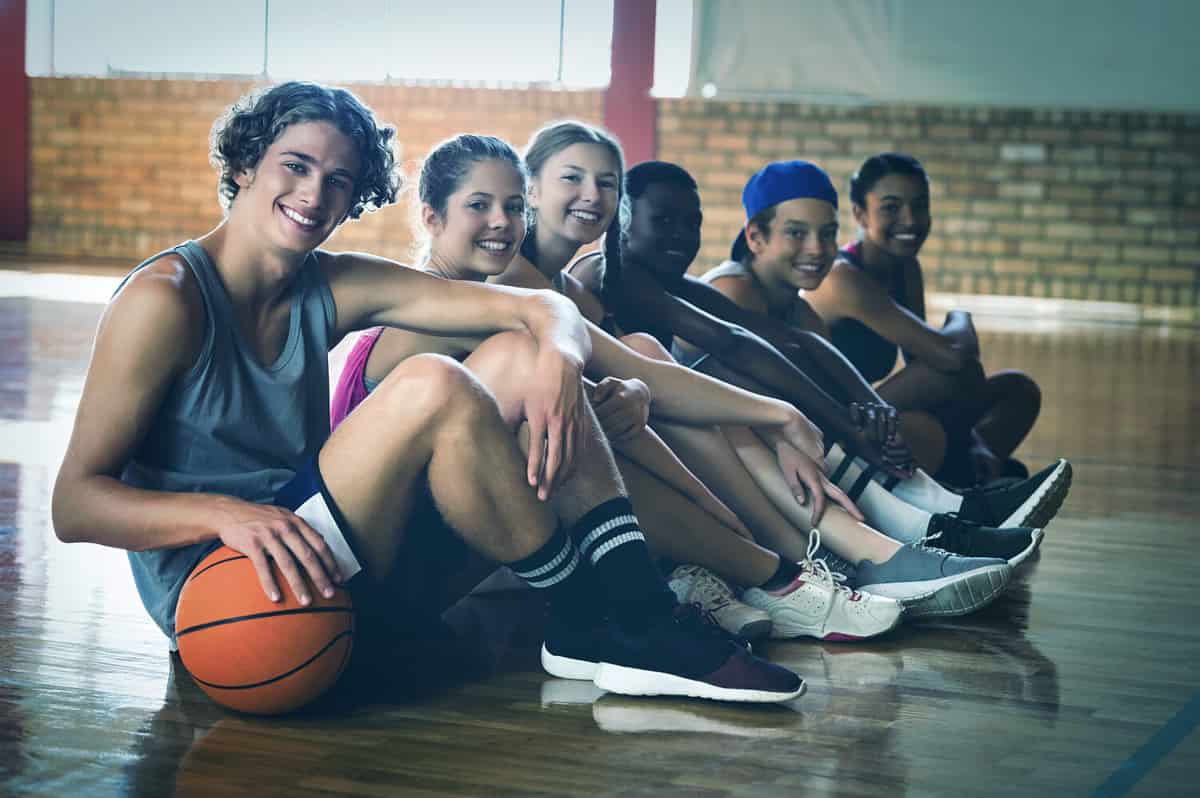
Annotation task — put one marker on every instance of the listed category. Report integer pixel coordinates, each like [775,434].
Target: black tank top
[872,354]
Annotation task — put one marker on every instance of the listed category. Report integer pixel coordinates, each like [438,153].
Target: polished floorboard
[1084,674]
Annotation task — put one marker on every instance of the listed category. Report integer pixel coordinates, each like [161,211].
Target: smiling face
[483,225]
[301,189]
[896,218]
[664,229]
[800,246]
[576,193]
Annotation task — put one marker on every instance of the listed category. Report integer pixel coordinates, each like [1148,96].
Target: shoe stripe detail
[593,537]
[841,470]
[861,483]
[612,543]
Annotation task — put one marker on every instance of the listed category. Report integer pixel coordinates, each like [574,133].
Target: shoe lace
[948,527]
[943,523]
[818,569]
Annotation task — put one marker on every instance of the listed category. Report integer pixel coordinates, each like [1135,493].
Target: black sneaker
[956,535]
[1029,503]
[684,654]
[573,650]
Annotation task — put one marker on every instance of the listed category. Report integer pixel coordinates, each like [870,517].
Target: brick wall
[1028,203]
[1079,205]
[120,167]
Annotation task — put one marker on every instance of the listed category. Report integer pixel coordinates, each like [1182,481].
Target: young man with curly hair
[204,420]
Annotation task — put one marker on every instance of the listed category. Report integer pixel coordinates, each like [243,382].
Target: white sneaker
[693,584]
[815,604]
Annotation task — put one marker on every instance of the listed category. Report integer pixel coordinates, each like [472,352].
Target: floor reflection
[1045,692]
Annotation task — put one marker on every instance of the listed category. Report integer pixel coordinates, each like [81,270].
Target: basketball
[254,655]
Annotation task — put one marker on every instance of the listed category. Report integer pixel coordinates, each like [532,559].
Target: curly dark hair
[242,135]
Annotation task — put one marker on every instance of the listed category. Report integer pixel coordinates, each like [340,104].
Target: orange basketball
[253,654]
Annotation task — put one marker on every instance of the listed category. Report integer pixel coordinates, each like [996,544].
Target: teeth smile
[297,218]
[586,216]
[492,246]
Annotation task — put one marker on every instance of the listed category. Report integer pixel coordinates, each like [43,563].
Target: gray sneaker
[932,582]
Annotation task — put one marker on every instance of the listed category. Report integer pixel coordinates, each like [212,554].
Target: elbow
[64,517]
[61,519]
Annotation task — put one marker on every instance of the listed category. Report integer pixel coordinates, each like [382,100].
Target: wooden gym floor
[1082,679]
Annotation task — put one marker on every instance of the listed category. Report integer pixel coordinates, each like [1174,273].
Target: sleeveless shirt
[229,424]
[870,352]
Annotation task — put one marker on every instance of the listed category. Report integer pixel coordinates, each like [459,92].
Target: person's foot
[1029,503]
[686,654]
[957,535]
[815,605]
[693,584]
[572,649]
[931,582]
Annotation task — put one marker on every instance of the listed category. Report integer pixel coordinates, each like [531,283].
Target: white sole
[567,668]
[634,681]
[785,628]
[1037,541]
[948,596]
[1041,506]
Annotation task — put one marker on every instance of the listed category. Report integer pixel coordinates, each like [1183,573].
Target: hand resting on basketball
[264,533]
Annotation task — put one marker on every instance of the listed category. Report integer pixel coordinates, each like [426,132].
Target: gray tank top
[229,424]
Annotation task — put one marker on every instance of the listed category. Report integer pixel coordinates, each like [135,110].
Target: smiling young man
[204,418]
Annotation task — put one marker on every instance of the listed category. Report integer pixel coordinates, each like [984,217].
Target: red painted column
[629,110]
[14,132]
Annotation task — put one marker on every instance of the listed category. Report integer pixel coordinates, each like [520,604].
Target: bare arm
[808,347]
[746,354]
[849,293]
[148,337]
[369,290]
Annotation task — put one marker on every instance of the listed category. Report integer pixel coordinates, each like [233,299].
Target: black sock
[612,544]
[557,569]
[783,576]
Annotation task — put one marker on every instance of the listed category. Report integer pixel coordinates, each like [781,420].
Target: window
[533,41]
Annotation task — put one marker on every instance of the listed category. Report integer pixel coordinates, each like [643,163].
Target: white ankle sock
[891,515]
[925,492]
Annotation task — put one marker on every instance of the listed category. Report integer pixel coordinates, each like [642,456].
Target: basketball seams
[245,652]
[257,615]
[212,565]
[280,677]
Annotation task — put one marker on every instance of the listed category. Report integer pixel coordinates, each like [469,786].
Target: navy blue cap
[779,182]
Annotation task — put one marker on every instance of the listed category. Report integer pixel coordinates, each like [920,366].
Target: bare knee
[505,364]
[1017,389]
[429,386]
[647,346]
